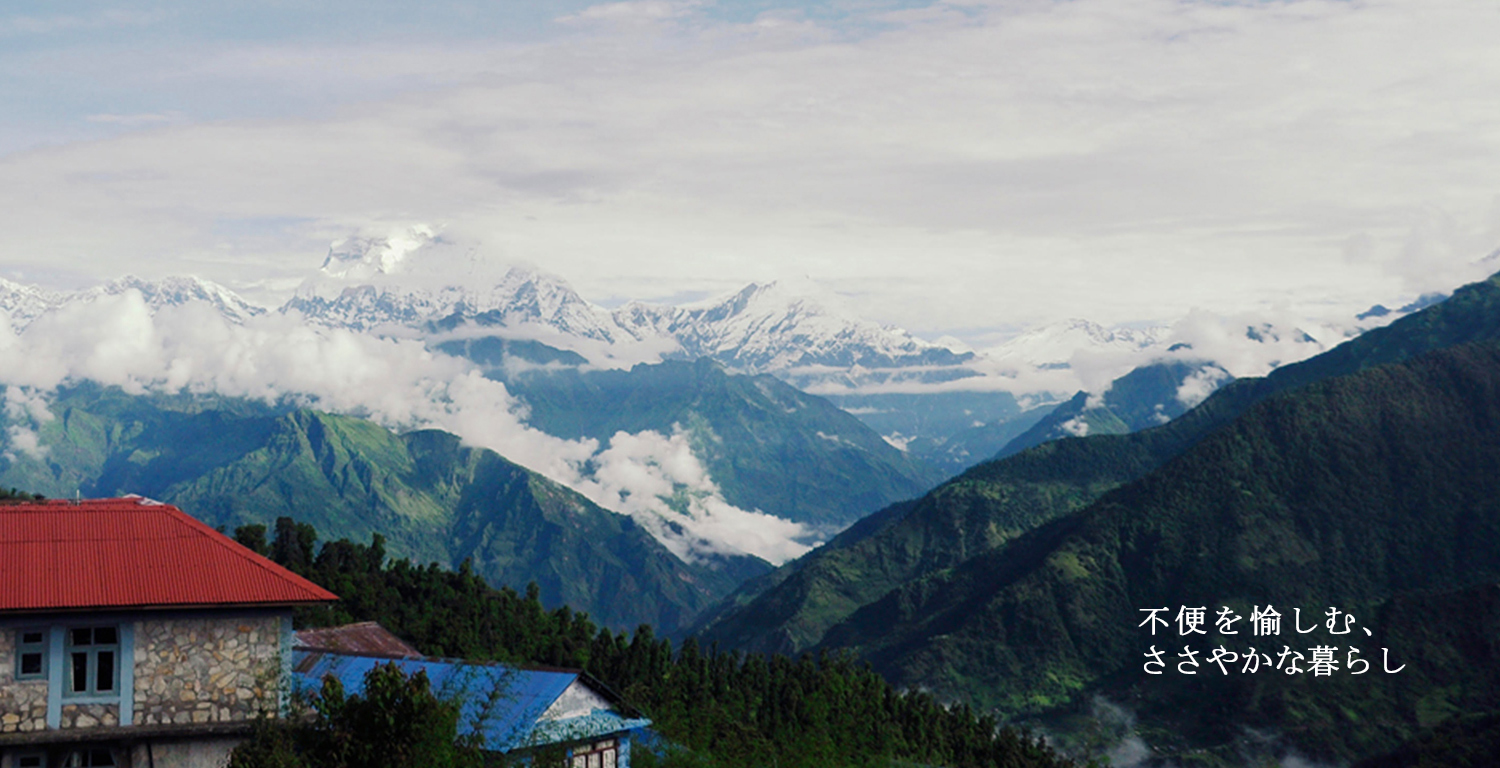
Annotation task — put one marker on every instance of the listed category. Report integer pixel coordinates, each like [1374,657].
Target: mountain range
[942,402]
[1360,478]
[234,462]
[1148,396]
[767,445]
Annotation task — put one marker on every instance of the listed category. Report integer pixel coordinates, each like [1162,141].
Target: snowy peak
[176,291]
[419,283]
[532,296]
[1054,345]
[365,258]
[26,303]
[522,296]
[771,327]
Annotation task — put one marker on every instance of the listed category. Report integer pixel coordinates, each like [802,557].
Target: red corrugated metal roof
[366,638]
[131,553]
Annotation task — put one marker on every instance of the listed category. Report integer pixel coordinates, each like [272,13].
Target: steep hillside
[766,444]
[988,505]
[1146,397]
[1358,492]
[231,462]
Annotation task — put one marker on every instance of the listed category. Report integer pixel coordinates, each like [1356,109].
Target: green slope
[989,504]
[1377,493]
[1144,398]
[767,445]
[232,463]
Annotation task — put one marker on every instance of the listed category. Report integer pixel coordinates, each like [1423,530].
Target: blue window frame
[93,667]
[31,654]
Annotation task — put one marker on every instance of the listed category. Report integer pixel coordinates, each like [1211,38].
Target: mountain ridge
[993,502]
[234,462]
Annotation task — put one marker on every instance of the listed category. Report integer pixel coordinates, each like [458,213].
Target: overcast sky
[949,167]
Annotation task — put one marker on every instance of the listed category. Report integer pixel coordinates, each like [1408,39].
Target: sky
[963,168]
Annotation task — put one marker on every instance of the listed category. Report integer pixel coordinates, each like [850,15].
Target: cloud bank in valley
[117,340]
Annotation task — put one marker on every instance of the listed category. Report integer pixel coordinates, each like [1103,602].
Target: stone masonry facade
[89,715]
[23,703]
[207,670]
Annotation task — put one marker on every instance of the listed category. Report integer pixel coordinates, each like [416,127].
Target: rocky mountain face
[24,303]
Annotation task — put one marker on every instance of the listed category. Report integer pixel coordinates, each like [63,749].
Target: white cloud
[24,440]
[1011,163]
[634,11]
[658,481]
[1075,426]
[895,439]
[115,340]
[1197,387]
[29,407]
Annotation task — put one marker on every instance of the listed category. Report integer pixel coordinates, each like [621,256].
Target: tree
[397,721]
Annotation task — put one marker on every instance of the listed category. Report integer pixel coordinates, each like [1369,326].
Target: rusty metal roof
[366,638]
[131,553]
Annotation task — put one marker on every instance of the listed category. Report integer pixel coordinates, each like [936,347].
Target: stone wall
[206,670]
[89,715]
[23,704]
[199,753]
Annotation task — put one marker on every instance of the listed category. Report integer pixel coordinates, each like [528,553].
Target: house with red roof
[132,635]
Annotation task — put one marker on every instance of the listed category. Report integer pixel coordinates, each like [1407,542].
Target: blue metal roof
[500,703]
[583,728]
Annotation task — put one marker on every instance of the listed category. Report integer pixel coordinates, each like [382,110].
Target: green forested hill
[767,445]
[988,505]
[713,708]
[1377,493]
[1144,398]
[233,462]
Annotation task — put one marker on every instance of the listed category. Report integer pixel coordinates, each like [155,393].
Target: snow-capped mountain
[770,328]
[1054,345]
[370,284]
[176,291]
[26,303]
[521,297]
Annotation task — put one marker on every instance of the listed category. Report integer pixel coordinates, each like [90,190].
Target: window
[90,758]
[31,760]
[93,653]
[31,654]
[600,754]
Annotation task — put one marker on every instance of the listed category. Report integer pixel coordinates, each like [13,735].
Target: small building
[132,635]
[512,710]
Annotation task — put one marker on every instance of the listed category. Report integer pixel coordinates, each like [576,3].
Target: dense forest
[721,708]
